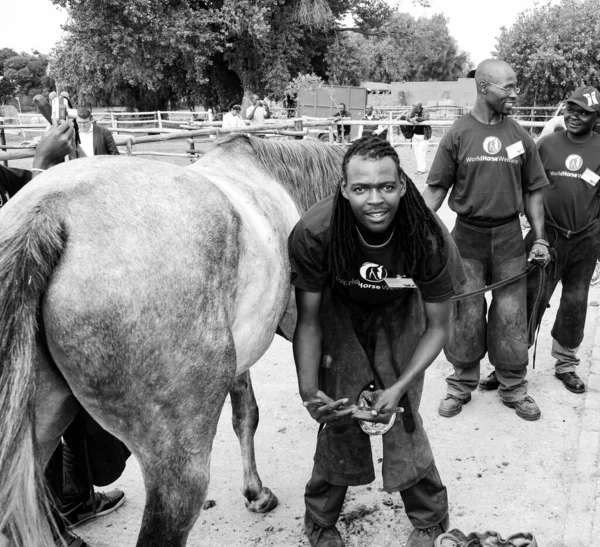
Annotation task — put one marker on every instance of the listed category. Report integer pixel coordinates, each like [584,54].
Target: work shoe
[320,536]
[572,382]
[101,504]
[526,408]
[70,540]
[452,405]
[489,382]
[425,537]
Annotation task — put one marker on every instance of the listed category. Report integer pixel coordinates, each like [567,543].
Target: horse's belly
[263,293]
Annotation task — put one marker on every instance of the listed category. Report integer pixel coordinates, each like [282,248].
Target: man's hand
[324,409]
[54,145]
[382,404]
[540,252]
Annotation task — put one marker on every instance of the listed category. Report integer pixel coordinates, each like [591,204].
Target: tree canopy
[404,49]
[154,53]
[23,75]
[553,50]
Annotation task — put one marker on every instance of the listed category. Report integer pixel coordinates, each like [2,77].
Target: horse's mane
[309,170]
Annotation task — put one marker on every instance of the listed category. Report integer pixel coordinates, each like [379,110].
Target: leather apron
[343,454]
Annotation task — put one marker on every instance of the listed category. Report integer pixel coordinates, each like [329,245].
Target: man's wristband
[37,169]
[542,242]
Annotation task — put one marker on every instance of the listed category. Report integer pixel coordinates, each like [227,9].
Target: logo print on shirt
[375,273]
[492,145]
[574,162]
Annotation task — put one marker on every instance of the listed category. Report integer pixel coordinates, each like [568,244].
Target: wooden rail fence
[295,127]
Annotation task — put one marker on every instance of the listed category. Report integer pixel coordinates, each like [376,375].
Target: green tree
[7,86]
[406,48]
[147,53]
[553,50]
[153,53]
[23,75]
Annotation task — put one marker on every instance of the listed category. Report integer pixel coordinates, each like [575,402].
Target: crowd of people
[382,288]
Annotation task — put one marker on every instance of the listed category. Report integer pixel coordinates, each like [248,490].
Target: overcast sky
[35,24]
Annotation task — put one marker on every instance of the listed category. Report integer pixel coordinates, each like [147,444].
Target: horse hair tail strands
[31,245]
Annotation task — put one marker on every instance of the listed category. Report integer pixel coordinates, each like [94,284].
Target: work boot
[526,408]
[490,382]
[425,537]
[452,405]
[101,504]
[320,536]
[571,381]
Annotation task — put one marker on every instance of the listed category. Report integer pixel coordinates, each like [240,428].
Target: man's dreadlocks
[416,225]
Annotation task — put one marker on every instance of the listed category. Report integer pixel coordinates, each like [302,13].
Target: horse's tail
[31,243]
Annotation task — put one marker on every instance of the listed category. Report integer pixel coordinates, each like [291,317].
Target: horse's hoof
[263,503]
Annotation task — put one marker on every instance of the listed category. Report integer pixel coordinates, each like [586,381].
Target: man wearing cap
[493,167]
[571,159]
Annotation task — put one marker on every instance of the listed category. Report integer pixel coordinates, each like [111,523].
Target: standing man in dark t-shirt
[571,159]
[492,166]
[374,271]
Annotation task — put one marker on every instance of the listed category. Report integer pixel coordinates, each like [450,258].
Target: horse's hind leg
[175,462]
[245,420]
[173,443]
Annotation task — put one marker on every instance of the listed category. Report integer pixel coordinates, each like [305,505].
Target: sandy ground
[502,473]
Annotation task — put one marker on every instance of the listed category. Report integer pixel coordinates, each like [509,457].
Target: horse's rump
[153,283]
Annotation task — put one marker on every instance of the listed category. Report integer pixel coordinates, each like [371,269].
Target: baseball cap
[587,97]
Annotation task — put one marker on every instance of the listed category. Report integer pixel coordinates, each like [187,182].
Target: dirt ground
[502,473]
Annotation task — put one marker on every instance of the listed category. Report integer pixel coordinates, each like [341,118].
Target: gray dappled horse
[146,291]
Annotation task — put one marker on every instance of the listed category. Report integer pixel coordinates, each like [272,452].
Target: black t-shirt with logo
[571,200]
[377,275]
[11,181]
[488,167]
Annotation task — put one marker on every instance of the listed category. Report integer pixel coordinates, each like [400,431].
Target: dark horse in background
[145,292]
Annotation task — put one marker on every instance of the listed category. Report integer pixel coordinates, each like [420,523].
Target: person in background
[493,166]
[256,113]
[53,146]
[95,139]
[571,159]
[343,131]
[420,137]
[232,118]
[369,130]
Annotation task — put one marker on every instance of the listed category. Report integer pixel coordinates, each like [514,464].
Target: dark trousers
[426,502]
[574,262]
[490,254]
[88,455]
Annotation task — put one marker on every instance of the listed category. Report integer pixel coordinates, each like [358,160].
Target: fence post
[129,147]
[3,139]
[113,122]
[159,118]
